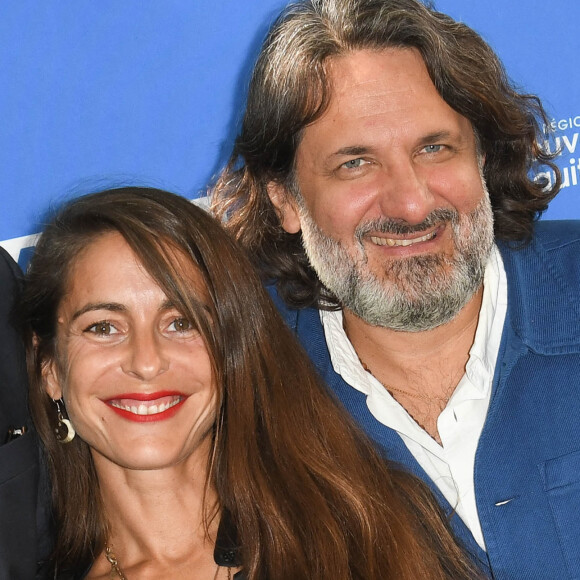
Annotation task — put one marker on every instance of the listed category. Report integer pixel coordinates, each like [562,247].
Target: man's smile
[403,241]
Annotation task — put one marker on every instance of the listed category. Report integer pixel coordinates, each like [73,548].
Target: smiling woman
[193,438]
[131,358]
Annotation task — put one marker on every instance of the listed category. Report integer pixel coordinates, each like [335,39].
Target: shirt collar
[483,353]
[485,348]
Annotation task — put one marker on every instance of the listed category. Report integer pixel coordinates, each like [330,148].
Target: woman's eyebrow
[92,306]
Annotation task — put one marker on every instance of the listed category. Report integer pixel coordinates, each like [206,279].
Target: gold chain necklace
[116,571]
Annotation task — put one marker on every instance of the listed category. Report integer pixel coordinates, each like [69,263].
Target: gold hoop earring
[64,431]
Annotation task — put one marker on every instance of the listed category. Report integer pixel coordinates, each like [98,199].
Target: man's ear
[51,380]
[286,207]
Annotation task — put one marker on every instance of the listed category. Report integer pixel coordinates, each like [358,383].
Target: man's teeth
[406,242]
[143,409]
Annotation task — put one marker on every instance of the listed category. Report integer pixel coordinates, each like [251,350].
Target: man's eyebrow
[92,306]
[351,150]
[436,136]
[363,149]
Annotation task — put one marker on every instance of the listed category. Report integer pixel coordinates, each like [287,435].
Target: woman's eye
[180,325]
[354,163]
[102,328]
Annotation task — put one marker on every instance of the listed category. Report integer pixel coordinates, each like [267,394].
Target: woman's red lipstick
[147,407]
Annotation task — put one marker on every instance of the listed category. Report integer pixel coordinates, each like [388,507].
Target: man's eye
[102,328]
[432,148]
[354,163]
[180,325]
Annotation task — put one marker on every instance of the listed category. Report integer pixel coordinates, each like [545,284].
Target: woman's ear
[286,207]
[51,380]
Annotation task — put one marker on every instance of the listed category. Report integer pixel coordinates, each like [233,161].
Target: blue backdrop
[99,93]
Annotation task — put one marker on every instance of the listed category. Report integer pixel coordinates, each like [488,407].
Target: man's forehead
[368,81]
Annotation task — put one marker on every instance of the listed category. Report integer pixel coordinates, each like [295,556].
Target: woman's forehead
[108,261]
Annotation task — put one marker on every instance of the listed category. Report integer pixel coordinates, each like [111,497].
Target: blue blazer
[527,464]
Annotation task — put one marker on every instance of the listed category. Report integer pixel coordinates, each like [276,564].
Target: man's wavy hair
[290,89]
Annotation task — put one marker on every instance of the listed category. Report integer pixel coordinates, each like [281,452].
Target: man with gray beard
[424,294]
[384,182]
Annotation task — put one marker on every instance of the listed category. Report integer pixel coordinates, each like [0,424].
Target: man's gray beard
[412,294]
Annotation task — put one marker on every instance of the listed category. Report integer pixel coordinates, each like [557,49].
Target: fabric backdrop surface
[115,92]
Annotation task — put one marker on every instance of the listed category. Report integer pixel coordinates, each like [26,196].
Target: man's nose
[404,194]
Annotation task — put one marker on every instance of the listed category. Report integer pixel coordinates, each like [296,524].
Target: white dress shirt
[450,465]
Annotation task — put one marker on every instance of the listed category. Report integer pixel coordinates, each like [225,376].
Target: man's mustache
[401,227]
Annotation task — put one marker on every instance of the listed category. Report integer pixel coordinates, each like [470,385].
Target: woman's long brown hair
[307,492]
